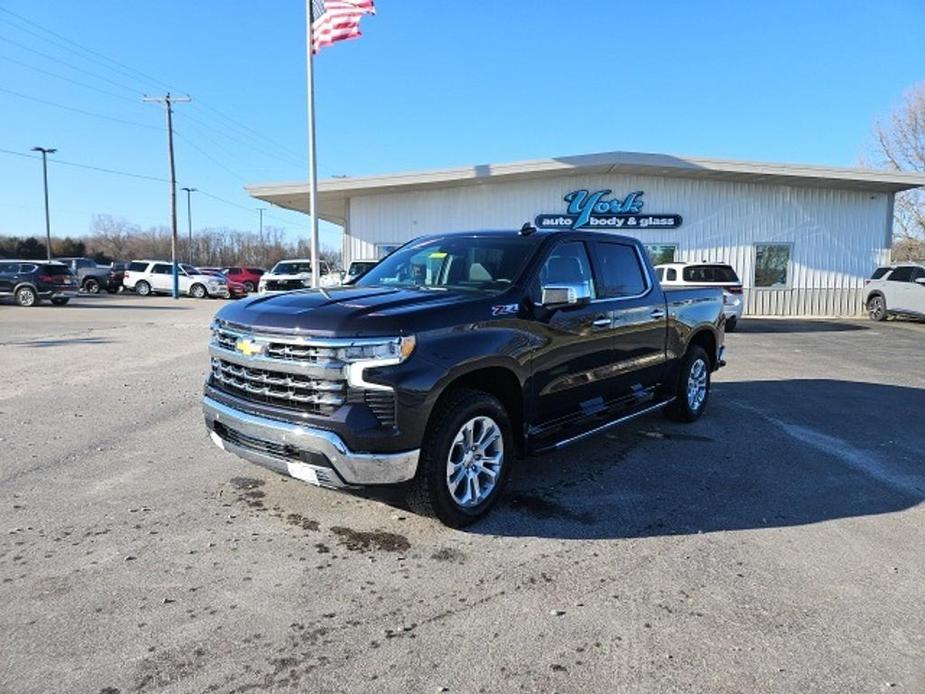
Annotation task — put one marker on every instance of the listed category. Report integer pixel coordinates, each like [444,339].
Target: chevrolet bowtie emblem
[249,347]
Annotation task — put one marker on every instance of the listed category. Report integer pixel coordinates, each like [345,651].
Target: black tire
[685,407]
[429,493]
[198,291]
[876,307]
[91,286]
[249,287]
[142,288]
[26,296]
[731,325]
[60,301]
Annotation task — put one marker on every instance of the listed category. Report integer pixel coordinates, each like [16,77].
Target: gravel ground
[774,546]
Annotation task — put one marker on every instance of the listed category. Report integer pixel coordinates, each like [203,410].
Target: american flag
[337,20]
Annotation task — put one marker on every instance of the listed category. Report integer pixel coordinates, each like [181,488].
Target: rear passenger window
[672,275]
[901,274]
[137,267]
[162,269]
[621,273]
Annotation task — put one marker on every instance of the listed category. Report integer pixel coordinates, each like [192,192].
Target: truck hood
[355,311]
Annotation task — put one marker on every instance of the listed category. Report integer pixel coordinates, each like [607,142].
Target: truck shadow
[767,454]
[792,325]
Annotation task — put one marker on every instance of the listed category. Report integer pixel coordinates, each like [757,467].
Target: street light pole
[45,152]
[260,212]
[189,220]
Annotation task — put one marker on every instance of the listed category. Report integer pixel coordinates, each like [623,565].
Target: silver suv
[896,289]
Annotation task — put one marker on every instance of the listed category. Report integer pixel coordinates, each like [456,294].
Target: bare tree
[900,146]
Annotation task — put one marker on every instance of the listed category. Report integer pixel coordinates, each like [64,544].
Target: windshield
[291,268]
[475,263]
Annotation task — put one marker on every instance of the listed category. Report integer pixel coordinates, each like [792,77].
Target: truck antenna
[527,229]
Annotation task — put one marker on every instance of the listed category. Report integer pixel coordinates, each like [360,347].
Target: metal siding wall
[836,236]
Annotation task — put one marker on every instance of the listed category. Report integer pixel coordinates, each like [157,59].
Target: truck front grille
[277,388]
[283,285]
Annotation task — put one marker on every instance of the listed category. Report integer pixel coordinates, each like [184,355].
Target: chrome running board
[604,427]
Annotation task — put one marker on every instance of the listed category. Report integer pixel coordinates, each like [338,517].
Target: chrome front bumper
[305,452]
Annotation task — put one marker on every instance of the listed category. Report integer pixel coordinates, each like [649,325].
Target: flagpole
[312,164]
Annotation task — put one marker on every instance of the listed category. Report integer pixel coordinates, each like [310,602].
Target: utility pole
[168,100]
[45,152]
[260,212]
[189,220]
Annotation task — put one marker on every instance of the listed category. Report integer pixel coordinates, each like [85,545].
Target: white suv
[897,289]
[707,275]
[156,277]
[288,275]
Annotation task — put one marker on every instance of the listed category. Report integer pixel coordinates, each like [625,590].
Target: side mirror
[561,296]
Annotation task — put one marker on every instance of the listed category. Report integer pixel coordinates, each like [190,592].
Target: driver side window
[568,265]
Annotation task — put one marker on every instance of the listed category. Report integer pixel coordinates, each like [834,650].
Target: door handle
[602,322]
[657,314]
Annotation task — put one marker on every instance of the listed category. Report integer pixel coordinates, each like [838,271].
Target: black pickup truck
[455,356]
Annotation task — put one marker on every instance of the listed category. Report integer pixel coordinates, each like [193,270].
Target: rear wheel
[26,296]
[60,301]
[731,324]
[91,286]
[142,288]
[465,459]
[693,390]
[876,307]
[198,291]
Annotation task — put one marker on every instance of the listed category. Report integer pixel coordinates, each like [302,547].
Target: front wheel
[731,324]
[26,296]
[693,390]
[142,288]
[876,308]
[197,291]
[465,459]
[249,287]
[92,286]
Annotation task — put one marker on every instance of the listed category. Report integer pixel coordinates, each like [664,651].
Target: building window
[772,265]
[660,253]
[383,249]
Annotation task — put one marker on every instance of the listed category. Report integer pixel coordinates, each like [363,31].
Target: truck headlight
[374,353]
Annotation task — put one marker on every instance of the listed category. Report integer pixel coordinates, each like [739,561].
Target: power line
[78,110]
[254,147]
[66,79]
[66,64]
[79,46]
[208,156]
[86,166]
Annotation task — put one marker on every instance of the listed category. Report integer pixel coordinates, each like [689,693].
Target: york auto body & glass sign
[595,211]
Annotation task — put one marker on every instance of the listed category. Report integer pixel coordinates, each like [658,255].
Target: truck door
[572,368]
[639,323]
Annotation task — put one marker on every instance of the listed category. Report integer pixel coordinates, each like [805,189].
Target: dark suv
[30,281]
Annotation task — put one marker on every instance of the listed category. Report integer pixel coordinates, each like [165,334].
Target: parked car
[93,277]
[248,276]
[455,355]
[31,281]
[672,275]
[235,289]
[898,289]
[358,268]
[146,277]
[288,275]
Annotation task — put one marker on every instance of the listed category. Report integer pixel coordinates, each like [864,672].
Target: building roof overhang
[333,193]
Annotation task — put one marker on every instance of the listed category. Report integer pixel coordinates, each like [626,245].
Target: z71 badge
[504,309]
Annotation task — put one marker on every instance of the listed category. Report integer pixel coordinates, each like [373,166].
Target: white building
[802,238]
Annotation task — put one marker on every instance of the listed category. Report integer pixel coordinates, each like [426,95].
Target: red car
[248,276]
[235,289]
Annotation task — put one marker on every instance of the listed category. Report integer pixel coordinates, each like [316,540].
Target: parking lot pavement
[773,546]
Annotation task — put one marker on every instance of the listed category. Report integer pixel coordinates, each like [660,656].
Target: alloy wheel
[473,465]
[697,385]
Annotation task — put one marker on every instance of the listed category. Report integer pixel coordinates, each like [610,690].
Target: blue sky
[431,84]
